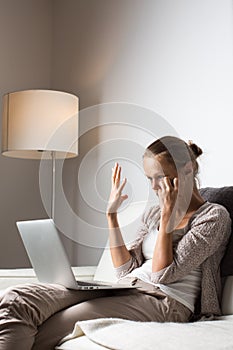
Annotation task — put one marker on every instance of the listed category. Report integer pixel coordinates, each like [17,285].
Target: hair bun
[197,151]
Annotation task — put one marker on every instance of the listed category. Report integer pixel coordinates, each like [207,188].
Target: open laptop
[49,259]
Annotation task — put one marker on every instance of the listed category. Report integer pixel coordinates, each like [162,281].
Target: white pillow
[129,221]
[105,271]
[227,296]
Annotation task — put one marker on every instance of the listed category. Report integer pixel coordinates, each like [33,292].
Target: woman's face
[156,168]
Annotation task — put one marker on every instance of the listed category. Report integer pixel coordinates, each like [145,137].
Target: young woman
[174,260]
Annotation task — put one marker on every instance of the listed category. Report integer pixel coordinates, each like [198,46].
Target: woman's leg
[131,305]
[24,308]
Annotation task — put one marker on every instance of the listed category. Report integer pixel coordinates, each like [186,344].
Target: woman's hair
[175,151]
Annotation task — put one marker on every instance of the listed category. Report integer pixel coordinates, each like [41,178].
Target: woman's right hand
[116,198]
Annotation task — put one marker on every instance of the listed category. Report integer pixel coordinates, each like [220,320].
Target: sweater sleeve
[207,232]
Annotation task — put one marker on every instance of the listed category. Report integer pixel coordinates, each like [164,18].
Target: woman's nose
[155,184]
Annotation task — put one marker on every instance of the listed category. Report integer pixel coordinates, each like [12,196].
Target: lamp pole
[53,187]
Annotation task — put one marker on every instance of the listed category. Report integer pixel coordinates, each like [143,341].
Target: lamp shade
[36,121]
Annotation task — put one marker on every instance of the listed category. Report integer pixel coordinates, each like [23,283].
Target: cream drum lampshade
[40,120]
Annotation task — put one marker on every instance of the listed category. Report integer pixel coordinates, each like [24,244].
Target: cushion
[223,196]
[129,220]
[227,297]
[105,270]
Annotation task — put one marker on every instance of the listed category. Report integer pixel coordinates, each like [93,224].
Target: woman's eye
[158,178]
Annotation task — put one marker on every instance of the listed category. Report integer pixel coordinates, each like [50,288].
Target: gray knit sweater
[203,244]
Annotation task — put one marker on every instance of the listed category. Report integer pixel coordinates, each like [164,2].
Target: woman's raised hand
[116,198]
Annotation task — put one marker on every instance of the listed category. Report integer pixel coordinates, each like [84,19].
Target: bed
[109,333]
[121,334]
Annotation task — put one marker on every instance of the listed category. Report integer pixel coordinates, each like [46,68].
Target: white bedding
[128,335]
[121,334]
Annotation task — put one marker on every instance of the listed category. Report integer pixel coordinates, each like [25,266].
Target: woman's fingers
[162,184]
[116,174]
[116,198]
[122,185]
[175,182]
[169,183]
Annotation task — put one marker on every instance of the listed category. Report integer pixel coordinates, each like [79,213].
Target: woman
[174,259]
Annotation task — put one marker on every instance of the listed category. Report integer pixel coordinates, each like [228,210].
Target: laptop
[49,259]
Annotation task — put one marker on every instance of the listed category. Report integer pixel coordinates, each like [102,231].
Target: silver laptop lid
[46,252]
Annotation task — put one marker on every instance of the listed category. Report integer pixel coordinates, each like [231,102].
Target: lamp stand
[53,188]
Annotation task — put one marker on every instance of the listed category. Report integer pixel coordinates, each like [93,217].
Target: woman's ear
[188,168]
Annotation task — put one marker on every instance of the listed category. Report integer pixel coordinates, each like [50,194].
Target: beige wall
[168,58]
[25,62]
[174,58]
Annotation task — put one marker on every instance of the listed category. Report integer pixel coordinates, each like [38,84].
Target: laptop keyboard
[84,283]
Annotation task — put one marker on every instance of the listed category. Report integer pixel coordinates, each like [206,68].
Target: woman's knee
[12,306]
[15,321]
[24,303]
[8,298]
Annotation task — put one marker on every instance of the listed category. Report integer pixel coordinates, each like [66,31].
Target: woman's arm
[163,251]
[119,252]
[209,233]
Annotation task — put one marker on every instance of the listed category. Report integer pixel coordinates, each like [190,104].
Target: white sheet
[121,334]
[113,333]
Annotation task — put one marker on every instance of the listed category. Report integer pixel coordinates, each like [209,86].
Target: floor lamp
[30,120]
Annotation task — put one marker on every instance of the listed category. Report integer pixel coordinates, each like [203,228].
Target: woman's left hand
[167,194]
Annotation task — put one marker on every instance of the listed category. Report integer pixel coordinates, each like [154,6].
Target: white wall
[174,58]
[25,57]
[168,62]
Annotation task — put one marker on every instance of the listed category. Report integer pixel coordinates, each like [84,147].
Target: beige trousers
[37,316]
